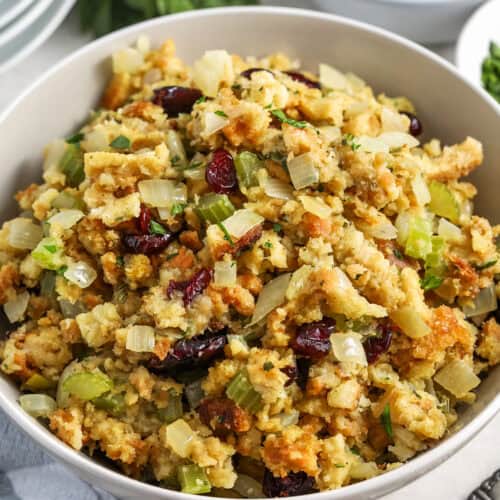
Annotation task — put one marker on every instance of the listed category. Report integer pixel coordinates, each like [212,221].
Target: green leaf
[430,282]
[155,228]
[50,248]
[385,420]
[350,140]
[485,265]
[280,114]
[201,99]
[75,138]
[120,142]
[227,236]
[177,208]
[277,228]
[219,112]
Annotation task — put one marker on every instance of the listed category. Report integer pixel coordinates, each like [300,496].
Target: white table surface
[454,479]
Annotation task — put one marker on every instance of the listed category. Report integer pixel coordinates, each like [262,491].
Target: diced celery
[247,164]
[443,202]
[71,165]
[214,208]
[38,382]
[434,260]
[241,391]
[47,254]
[37,405]
[193,479]
[67,200]
[419,242]
[88,385]
[112,403]
[174,409]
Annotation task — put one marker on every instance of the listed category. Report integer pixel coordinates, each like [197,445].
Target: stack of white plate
[25,24]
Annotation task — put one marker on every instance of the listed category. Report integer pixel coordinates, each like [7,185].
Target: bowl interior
[448,107]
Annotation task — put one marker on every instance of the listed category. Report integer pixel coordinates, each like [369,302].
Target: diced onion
[316,206]
[143,44]
[214,68]
[356,109]
[347,347]
[276,188]
[398,139]
[54,153]
[127,60]
[371,144]
[330,133]
[248,487]
[392,121]
[180,437]
[96,140]
[364,470]
[176,149]
[225,273]
[81,274]
[420,190]
[62,394]
[14,309]
[403,227]
[457,377]
[383,231]
[37,405]
[303,171]
[331,78]
[298,281]
[289,418]
[213,123]
[141,338]
[449,232]
[241,222]
[24,234]
[162,192]
[485,301]
[411,322]
[66,218]
[271,296]
[152,76]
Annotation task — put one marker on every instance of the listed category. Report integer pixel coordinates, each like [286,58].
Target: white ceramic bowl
[425,21]
[449,107]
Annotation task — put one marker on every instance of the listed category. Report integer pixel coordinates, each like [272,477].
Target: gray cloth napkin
[28,473]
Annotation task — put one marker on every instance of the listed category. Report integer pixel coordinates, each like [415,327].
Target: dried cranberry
[193,287]
[174,99]
[248,72]
[144,220]
[299,77]
[377,345]
[220,173]
[415,124]
[291,372]
[147,243]
[313,339]
[303,366]
[296,483]
[189,354]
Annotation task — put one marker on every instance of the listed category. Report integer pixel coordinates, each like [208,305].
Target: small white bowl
[473,43]
[424,21]
[449,107]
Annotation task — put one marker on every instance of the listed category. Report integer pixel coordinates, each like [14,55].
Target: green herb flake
[62,270]
[75,138]
[268,244]
[281,116]
[268,365]
[177,209]
[277,228]
[227,236]
[201,99]
[219,112]
[172,255]
[385,420]
[350,140]
[156,228]
[355,451]
[120,142]
[485,265]
[50,248]
[430,282]
[340,466]
[120,261]
[175,160]
[397,253]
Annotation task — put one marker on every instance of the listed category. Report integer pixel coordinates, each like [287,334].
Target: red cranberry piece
[144,220]
[174,99]
[375,346]
[415,124]
[147,243]
[248,72]
[191,288]
[299,77]
[220,173]
[296,483]
[313,339]
[190,353]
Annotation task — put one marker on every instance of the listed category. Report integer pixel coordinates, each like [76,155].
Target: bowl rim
[81,462]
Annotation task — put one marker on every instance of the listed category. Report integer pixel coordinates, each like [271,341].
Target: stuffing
[97,326]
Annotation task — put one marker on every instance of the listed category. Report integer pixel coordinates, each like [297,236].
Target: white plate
[28,40]
[10,9]
[473,43]
[24,21]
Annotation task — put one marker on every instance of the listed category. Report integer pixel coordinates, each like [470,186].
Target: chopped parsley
[281,116]
[277,228]
[485,265]
[177,208]
[175,160]
[430,282]
[269,106]
[172,255]
[120,142]
[268,244]
[75,138]
[227,236]
[62,270]
[350,140]
[355,450]
[340,466]
[219,112]
[50,248]
[385,420]
[268,365]
[120,261]
[155,228]
[397,253]
[201,99]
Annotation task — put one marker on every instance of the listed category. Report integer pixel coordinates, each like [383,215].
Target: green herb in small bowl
[490,71]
